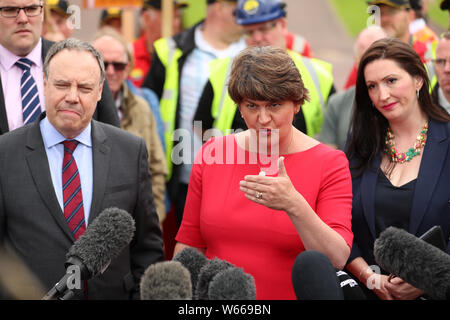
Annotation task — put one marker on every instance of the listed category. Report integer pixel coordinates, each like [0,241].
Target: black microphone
[314,277]
[418,263]
[350,288]
[167,280]
[232,284]
[92,253]
[206,275]
[193,260]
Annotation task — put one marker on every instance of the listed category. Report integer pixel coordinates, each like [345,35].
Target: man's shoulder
[13,143]
[348,94]
[185,40]
[14,135]
[116,135]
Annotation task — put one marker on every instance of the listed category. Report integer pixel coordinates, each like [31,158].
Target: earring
[418,93]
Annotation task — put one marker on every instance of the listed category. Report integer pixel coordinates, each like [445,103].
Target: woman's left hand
[273,192]
[401,290]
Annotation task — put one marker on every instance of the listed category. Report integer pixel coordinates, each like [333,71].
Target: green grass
[437,15]
[354,16]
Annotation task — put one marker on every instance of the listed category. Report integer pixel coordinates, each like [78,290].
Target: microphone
[350,288]
[206,275]
[314,277]
[193,260]
[232,284]
[92,253]
[421,264]
[167,280]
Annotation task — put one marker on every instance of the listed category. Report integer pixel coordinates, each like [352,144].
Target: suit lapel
[100,158]
[3,119]
[433,160]
[368,187]
[38,164]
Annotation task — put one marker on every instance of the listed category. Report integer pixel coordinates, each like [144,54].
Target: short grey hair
[74,44]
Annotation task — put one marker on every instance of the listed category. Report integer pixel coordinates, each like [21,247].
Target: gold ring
[258,195]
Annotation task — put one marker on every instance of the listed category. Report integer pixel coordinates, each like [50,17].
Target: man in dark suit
[20,37]
[108,168]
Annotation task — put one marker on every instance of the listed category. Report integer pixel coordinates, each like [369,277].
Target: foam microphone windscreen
[415,261]
[232,284]
[103,240]
[207,273]
[193,260]
[167,280]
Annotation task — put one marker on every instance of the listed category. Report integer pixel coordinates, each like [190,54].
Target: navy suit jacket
[431,201]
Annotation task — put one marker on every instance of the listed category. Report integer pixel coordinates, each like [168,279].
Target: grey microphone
[207,273]
[232,284]
[92,253]
[193,260]
[415,261]
[167,280]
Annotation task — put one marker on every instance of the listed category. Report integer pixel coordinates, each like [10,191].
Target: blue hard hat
[258,11]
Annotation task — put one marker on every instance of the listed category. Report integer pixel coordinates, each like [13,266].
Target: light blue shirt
[83,157]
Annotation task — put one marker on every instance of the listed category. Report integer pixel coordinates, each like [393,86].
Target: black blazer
[106,110]
[32,223]
[431,201]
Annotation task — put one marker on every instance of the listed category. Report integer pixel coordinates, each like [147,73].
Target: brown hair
[266,74]
[368,126]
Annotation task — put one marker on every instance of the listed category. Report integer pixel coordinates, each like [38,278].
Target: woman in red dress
[260,197]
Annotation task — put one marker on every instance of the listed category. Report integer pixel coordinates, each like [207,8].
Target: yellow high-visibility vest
[168,54]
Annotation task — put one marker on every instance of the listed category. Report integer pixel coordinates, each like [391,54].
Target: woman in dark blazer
[399,159]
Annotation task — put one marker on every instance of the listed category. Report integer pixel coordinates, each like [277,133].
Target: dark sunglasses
[118,66]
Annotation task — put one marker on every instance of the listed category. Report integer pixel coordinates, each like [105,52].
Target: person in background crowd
[60,172]
[150,21]
[178,82]
[396,18]
[134,113]
[22,54]
[57,25]
[399,158]
[340,105]
[248,202]
[111,17]
[419,29]
[441,91]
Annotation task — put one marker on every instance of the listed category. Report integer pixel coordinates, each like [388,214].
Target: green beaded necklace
[403,157]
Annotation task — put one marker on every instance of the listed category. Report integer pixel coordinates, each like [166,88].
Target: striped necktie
[72,195]
[31,107]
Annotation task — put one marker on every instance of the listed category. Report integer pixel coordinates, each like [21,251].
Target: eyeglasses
[265,28]
[118,66]
[13,12]
[440,63]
